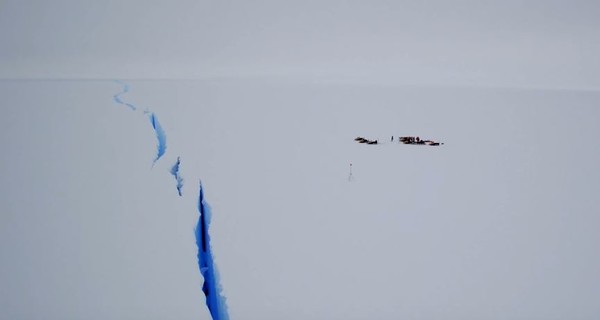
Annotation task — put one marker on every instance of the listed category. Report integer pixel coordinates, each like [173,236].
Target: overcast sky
[506,43]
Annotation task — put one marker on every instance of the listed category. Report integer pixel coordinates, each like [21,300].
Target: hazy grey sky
[508,43]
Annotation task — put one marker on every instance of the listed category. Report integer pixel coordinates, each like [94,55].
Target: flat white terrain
[501,222]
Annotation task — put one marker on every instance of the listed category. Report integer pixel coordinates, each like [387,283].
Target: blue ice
[160,135]
[211,286]
[117,97]
[178,178]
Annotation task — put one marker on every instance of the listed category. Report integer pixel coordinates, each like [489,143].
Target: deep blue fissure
[178,179]
[211,287]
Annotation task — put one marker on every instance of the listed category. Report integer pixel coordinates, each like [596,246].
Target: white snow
[498,223]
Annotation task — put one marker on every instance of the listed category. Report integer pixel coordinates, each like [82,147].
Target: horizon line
[311,79]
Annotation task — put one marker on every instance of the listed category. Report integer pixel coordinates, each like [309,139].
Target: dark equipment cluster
[363,140]
[418,141]
[405,140]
